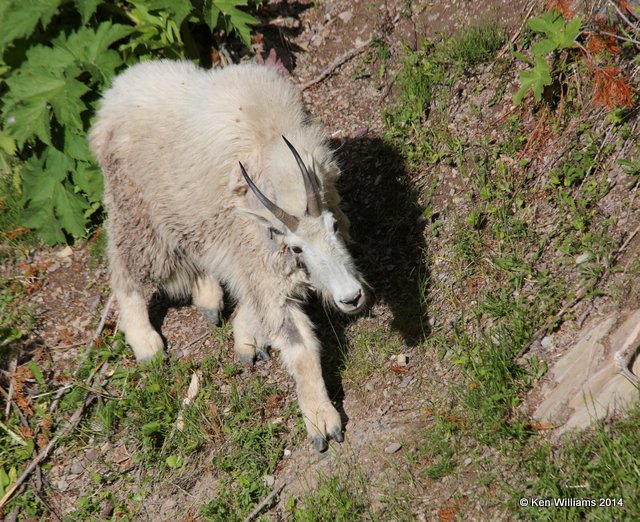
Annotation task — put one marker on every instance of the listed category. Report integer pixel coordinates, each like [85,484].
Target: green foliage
[600,463]
[477,44]
[55,59]
[338,498]
[15,319]
[559,35]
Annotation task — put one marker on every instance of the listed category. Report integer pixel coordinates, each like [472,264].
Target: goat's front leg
[300,351]
[248,337]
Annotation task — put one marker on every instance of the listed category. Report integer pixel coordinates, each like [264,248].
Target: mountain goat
[219,178]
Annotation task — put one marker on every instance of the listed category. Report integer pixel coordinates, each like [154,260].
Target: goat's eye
[296,250]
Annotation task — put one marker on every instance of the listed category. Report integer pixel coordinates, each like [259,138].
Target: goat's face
[318,246]
[314,240]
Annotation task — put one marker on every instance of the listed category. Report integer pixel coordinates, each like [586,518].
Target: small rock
[65,252]
[402,359]
[370,386]
[547,342]
[406,381]
[106,510]
[468,461]
[582,258]
[63,485]
[269,480]
[91,455]
[286,452]
[392,448]
[346,16]
[53,267]
[77,467]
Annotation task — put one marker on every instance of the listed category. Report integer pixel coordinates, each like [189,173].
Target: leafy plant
[559,35]
[55,59]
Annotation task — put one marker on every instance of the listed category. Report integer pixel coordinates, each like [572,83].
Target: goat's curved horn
[290,221]
[310,183]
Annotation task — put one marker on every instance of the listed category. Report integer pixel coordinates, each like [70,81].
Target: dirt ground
[69,291]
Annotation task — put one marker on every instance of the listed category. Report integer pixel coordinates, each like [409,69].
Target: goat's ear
[263,217]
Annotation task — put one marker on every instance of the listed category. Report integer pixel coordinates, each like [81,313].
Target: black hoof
[245,359]
[337,435]
[320,443]
[263,355]
[212,315]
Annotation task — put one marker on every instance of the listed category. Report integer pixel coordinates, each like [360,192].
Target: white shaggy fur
[169,138]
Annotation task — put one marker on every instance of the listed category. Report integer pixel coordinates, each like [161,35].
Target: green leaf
[179,8]
[69,208]
[27,120]
[535,79]
[174,461]
[523,57]
[51,206]
[18,18]
[37,374]
[212,16]
[57,164]
[89,179]
[68,105]
[549,23]
[7,143]
[544,46]
[237,19]
[570,33]
[151,427]
[86,8]
[75,145]
[90,49]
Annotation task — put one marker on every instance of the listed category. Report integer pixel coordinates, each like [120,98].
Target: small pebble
[91,455]
[582,258]
[346,16]
[402,359]
[76,467]
[63,485]
[65,252]
[392,448]
[269,480]
[547,342]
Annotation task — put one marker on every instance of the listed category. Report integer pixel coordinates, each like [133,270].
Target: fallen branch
[95,377]
[264,503]
[341,60]
[71,424]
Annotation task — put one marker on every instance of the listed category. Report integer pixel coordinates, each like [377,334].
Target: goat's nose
[352,300]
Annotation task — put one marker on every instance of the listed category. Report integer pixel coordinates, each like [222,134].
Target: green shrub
[55,58]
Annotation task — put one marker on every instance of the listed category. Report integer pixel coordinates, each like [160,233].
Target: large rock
[587,381]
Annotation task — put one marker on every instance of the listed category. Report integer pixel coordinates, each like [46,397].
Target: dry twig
[341,60]
[264,503]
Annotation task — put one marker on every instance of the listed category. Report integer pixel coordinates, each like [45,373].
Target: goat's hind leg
[208,296]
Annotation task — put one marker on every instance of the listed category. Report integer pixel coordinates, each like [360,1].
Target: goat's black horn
[291,222]
[310,183]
